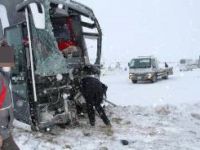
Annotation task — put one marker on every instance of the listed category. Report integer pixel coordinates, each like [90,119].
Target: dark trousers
[9,144]
[101,112]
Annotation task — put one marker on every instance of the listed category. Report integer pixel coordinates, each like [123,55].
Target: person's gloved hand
[1,142]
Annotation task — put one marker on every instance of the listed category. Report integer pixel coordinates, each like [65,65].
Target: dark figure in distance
[166,65]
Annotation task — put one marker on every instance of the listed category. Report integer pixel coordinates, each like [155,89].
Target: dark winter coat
[6,114]
[93,90]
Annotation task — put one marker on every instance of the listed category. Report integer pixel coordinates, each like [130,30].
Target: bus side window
[14,38]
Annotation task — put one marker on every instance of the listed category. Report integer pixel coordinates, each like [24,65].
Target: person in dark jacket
[6,110]
[93,91]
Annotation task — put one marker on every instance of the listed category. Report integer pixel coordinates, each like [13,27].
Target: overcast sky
[168,29]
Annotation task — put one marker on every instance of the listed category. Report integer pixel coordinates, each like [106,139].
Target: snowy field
[182,87]
[160,116]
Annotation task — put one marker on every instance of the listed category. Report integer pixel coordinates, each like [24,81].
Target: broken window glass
[48,59]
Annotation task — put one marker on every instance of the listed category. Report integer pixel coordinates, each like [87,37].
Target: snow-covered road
[182,87]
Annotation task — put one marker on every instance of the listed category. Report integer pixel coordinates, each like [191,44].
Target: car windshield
[140,63]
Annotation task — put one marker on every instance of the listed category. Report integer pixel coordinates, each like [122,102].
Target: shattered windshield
[140,63]
[68,35]
[48,59]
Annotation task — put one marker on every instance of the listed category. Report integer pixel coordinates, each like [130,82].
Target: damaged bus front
[42,39]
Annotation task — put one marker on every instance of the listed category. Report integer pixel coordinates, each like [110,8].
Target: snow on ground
[146,117]
[145,128]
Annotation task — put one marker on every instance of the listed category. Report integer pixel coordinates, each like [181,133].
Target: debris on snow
[124,142]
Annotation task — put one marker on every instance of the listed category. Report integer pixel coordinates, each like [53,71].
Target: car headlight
[131,75]
[149,75]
